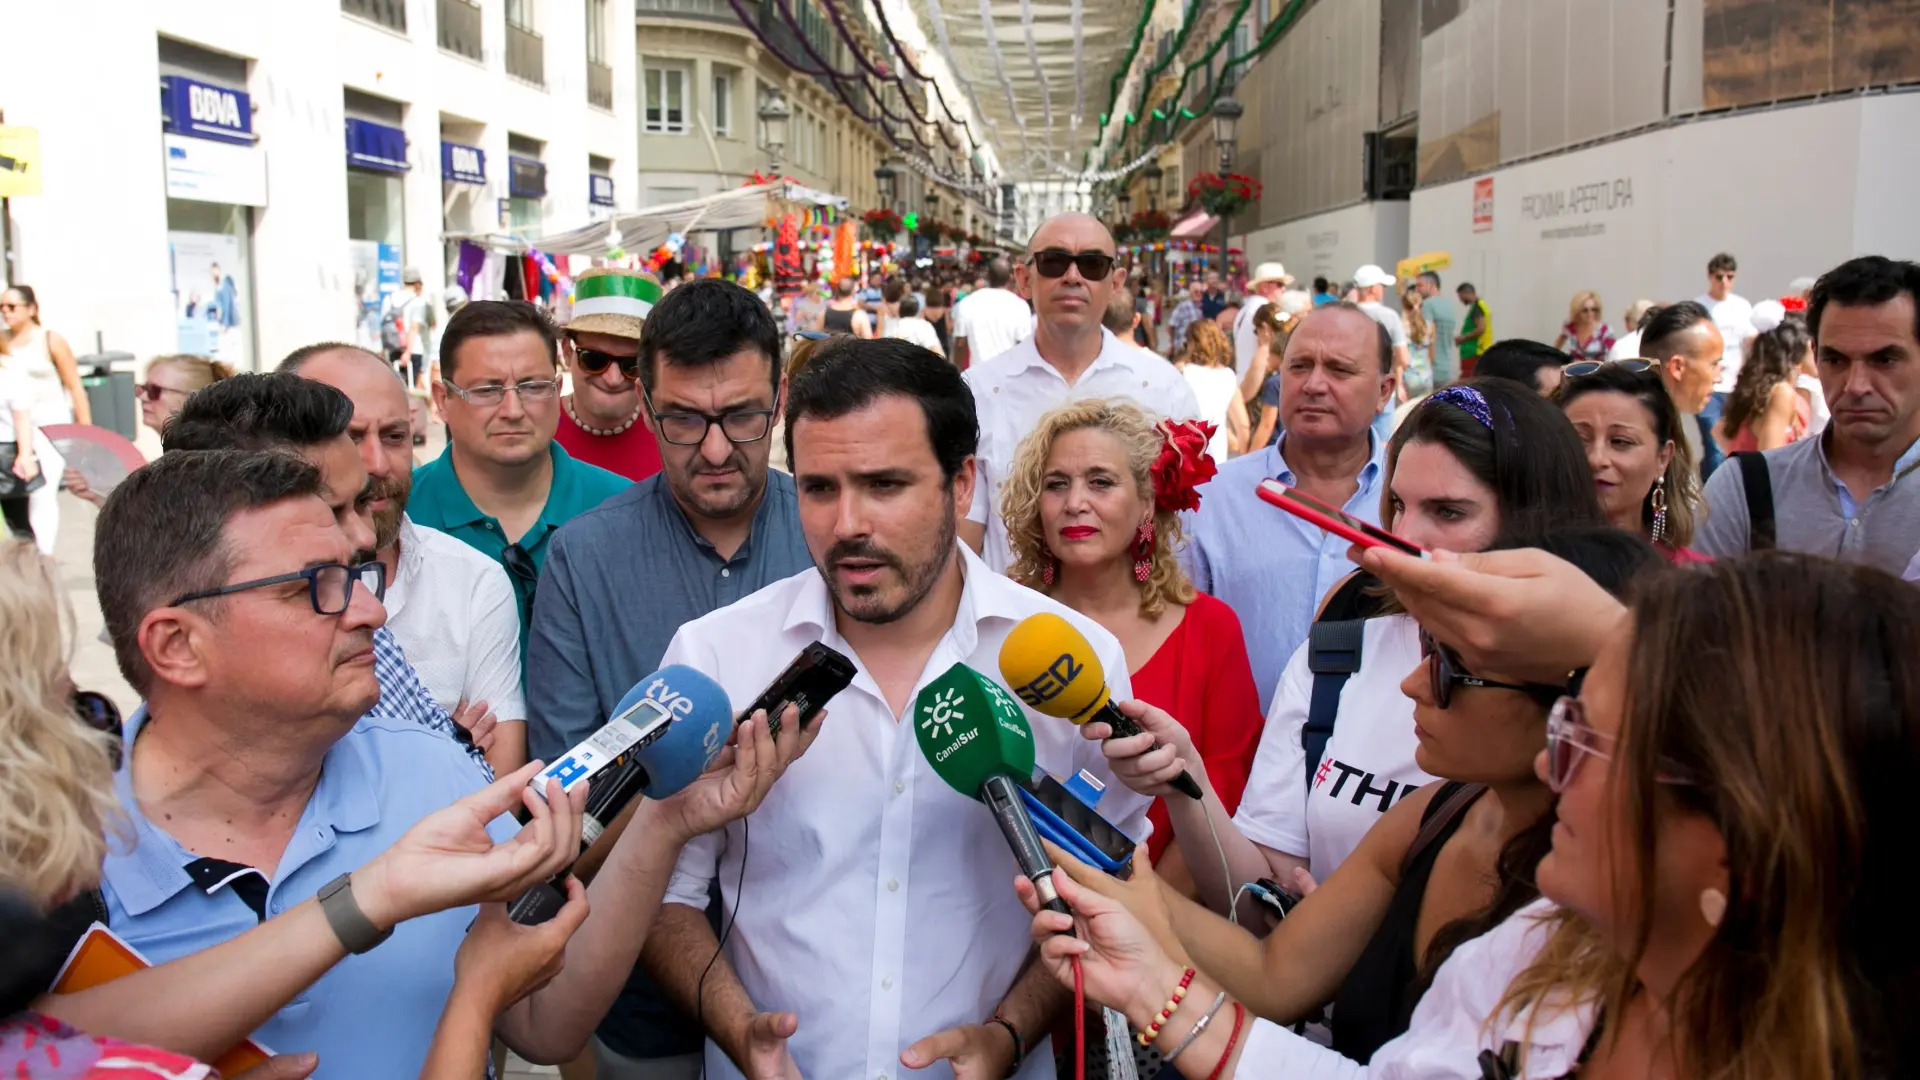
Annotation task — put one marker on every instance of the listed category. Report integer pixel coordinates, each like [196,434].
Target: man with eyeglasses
[503,484]
[714,525]
[600,421]
[1733,317]
[1069,276]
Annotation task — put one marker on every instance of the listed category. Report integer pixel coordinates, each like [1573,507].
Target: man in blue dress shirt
[1273,568]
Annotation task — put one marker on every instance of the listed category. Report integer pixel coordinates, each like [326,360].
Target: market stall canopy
[648,228]
[1194,226]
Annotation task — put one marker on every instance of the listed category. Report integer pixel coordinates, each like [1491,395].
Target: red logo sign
[1483,204]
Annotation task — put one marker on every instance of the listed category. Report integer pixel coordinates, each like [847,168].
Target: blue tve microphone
[663,735]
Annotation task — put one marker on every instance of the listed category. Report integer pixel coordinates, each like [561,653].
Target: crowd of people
[1592,771]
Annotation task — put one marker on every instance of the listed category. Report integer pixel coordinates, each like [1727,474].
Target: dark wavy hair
[1684,504]
[1768,362]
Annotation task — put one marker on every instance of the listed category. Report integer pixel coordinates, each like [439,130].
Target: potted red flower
[1223,196]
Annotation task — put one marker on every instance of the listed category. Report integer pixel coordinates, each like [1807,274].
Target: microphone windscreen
[1053,668]
[701,725]
[970,729]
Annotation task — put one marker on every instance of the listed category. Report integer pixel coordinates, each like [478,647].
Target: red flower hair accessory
[1183,464]
[1794,303]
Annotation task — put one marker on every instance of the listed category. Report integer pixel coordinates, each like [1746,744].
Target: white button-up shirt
[877,902]
[453,611]
[1014,390]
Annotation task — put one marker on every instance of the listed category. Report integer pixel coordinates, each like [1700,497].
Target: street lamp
[774,113]
[1125,202]
[883,177]
[1226,121]
[1152,174]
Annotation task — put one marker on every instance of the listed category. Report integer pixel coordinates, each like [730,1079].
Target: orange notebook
[102,957]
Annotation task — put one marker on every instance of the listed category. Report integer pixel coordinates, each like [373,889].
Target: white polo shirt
[878,902]
[1014,390]
[453,611]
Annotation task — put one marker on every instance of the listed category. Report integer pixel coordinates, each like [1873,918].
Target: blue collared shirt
[371,1015]
[619,582]
[404,698]
[1272,568]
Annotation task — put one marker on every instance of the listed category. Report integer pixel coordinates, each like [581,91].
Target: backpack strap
[1441,812]
[1758,483]
[1334,648]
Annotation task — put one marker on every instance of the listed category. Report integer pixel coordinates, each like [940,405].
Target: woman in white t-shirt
[1474,461]
[1207,364]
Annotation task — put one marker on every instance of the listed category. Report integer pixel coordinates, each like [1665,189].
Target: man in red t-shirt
[600,420]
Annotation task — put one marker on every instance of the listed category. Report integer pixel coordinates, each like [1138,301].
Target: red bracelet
[1239,1017]
[1166,1011]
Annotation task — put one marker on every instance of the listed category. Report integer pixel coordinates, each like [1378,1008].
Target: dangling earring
[1048,568]
[1659,500]
[1713,906]
[1143,552]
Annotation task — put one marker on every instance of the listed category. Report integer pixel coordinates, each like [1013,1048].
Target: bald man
[1069,275]
[451,608]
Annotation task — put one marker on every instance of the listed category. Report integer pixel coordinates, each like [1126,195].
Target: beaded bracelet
[1239,1017]
[1166,1011]
[1019,1045]
[1198,1029]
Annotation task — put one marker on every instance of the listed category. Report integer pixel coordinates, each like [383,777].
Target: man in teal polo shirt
[503,484]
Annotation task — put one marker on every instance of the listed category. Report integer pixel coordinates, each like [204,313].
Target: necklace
[605,433]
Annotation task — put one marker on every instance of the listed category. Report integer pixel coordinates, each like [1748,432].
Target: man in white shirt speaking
[873,920]
[990,321]
[1069,274]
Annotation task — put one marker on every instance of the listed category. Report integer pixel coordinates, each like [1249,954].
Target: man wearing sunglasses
[600,421]
[502,484]
[1069,276]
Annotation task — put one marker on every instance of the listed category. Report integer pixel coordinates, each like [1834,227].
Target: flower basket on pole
[1223,196]
[881,225]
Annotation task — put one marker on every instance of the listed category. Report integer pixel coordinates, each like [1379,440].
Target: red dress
[1200,675]
[632,453]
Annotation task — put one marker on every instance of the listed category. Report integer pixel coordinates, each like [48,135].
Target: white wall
[1790,192]
[95,242]
[1335,244]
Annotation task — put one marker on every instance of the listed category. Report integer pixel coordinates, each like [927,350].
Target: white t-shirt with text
[1368,765]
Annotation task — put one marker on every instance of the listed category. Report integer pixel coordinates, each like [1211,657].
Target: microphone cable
[1079,1021]
[726,931]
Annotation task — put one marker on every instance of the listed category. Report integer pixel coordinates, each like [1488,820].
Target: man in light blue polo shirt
[503,484]
[254,778]
[1273,568]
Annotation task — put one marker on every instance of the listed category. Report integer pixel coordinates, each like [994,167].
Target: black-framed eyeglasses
[1445,672]
[329,585]
[595,361]
[1053,263]
[1582,368]
[690,428]
[490,395]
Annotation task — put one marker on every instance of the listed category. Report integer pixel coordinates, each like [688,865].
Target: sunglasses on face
[593,362]
[1445,672]
[1581,368]
[1053,263]
[1723,277]
[1570,740]
[152,391]
[1589,311]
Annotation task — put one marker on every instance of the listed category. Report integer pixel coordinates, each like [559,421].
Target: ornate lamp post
[774,113]
[1226,121]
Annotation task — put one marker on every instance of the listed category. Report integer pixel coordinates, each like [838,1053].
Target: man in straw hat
[600,420]
[1264,287]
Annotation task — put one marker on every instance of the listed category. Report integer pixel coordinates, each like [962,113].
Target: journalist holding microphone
[867,921]
[248,787]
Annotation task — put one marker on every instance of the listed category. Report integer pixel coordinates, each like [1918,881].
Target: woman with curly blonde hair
[1092,505]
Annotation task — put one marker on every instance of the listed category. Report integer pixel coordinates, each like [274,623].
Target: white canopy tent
[645,229]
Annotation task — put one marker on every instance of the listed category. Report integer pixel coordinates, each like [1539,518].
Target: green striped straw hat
[610,300]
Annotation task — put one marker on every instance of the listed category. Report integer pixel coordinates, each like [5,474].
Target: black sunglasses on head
[593,362]
[1053,263]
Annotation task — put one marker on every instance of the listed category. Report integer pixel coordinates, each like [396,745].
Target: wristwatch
[351,925]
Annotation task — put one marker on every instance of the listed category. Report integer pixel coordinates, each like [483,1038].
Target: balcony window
[666,105]
[391,14]
[459,28]
[597,31]
[526,51]
[723,104]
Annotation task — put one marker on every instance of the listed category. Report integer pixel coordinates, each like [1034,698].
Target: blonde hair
[1207,345]
[200,371]
[56,775]
[1020,496]
[1579,301]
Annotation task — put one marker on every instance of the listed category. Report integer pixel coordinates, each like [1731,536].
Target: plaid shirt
[404,697]
[1185,314]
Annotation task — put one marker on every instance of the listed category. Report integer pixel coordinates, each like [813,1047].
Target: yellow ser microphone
[1053,668]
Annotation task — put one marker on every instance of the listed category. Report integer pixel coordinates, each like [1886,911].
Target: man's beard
[386,523]
[919,579]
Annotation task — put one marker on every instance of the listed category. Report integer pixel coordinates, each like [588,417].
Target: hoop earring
[1143,552]
[1658,499]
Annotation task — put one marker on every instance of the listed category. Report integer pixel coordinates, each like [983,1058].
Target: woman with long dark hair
[1766,409]
[1631,430]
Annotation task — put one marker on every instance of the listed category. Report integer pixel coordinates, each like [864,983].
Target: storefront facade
[216,179]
